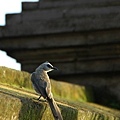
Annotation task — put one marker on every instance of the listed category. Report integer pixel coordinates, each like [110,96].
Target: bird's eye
[49,66]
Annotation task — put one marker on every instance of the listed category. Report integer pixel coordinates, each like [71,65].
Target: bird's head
[46,66]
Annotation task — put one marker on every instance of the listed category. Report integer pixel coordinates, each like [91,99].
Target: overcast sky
[9,6]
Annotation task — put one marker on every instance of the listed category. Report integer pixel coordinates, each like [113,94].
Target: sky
[8,61]
[10,6]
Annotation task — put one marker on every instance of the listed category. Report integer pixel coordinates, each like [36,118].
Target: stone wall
[18,100]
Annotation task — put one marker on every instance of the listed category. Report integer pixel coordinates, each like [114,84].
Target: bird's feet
[44,100]
[39,98]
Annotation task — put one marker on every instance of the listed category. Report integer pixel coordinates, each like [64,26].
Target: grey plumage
[42,86]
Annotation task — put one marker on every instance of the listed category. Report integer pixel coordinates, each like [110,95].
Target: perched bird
[42,86]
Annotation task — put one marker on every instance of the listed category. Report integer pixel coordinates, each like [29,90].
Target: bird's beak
[54,68]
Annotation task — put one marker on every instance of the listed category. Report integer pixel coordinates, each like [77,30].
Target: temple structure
[80,37]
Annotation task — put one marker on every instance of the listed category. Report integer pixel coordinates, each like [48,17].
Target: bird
[42,85]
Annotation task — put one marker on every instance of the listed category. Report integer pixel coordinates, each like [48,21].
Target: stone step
[21,104]
[73,13]
[51,4]
[77,59]
[91,52]
[61,40]
[76,67]
[62,19]
[28,6]
[20,107]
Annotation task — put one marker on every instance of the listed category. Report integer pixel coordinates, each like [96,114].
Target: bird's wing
[39,85]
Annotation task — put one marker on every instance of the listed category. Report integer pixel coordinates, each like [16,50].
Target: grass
[60,90]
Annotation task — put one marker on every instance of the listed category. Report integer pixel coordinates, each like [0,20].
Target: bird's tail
[55,109]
